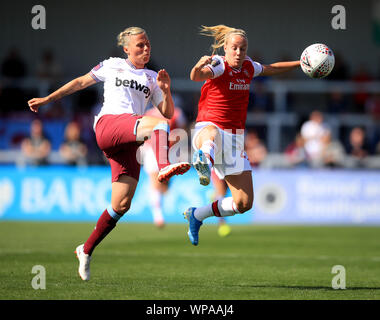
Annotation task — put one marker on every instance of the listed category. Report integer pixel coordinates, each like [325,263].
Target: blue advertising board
[60,193]
[63,193]
[317,197]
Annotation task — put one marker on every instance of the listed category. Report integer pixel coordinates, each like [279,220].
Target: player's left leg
[122,193]
[241,187]
[206,142]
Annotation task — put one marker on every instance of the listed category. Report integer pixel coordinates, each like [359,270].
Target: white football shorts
[230,157]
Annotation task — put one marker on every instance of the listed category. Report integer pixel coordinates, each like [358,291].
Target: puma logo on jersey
[133,84]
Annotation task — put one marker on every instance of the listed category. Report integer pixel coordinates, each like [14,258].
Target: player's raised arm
[279,67]
[77,84]
[199,72]
[166,107]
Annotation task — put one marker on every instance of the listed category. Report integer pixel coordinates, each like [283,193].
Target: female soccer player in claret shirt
[219,131]
[120,127]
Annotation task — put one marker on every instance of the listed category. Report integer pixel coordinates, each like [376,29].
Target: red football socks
[103,227]
[160,141]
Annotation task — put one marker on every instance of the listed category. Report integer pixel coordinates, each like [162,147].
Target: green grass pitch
[140,262]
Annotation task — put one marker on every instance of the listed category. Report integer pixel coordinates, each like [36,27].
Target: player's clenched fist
[35,103]
[205,60]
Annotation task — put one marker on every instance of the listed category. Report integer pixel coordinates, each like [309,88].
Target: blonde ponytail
[123,37]
[221,34]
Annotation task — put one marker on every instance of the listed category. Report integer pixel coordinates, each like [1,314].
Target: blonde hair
[124,36]
[221,34]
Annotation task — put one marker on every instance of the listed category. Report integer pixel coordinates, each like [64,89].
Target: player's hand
[163,80]
[204,61]
[35,103]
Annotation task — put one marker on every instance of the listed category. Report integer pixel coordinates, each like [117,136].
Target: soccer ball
[317,60]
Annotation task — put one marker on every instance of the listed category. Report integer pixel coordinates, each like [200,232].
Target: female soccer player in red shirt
[219,129]
[121,127]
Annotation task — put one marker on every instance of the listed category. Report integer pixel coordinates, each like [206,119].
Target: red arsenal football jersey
[224,98]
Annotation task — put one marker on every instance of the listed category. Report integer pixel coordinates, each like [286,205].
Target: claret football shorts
[116,137]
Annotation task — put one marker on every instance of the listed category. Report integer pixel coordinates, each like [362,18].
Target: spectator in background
[49,69]
[361,96]
[313,132]
[372,106]
[255,149]
[358,147]
[36,148]
[377,149]
[259,97]
[336,102]
[49,72]
[296,153]
[333,153]
[13,71]
[73,150]
[13,66]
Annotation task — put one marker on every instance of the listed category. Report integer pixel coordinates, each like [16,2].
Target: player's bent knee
[244,205]
[122,207]
[161,124]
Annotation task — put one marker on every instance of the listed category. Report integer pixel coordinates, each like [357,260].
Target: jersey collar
[130,64]
[233,69]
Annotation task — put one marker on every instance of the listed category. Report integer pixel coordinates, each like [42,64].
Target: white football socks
[224,207]
[227,207]
[204,212]
[209,147]
[156,203]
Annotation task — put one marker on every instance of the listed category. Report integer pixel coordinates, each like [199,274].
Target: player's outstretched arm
[279,67]
[67,89]
[199,72]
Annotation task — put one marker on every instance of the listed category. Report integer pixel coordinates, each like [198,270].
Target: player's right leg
[194,225]
[220,187]
[158,130]
[241,201]
[241,187]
